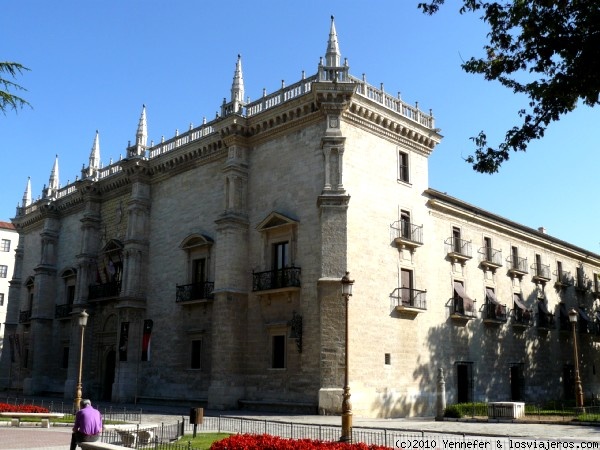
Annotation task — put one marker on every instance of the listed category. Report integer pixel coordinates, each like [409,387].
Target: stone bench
[44,417]
[132,435]
[506,410]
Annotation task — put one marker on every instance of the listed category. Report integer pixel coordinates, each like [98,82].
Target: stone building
[210,266]
[8,242]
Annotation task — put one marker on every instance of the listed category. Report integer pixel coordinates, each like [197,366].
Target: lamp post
[82,321]
[346,405]
[578,387]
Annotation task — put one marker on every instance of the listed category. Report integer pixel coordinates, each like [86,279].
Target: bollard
[441,396]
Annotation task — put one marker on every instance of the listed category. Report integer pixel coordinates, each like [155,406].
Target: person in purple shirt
[88,424]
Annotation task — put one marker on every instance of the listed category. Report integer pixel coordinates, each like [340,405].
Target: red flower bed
[5,407]
[265,441]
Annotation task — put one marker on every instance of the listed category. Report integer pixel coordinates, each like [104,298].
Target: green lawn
[203,440]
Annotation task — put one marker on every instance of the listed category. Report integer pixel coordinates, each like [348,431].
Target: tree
[548,50]
[8,100]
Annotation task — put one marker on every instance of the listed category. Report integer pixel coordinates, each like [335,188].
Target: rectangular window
[70,294]
[5,245]
[3,271]
[388,359]
[487,245]
[280,255]
[196,354]
[406,287]
[403,167]
[199,270]
[456,240]
[405,224]
[1,299]
[278,351]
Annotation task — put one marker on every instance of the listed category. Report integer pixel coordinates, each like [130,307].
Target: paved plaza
[58,437]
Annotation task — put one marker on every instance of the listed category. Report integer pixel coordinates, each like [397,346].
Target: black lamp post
[82,321]
[346,405]
[578,387]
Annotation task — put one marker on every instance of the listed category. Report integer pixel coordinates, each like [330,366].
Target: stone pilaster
[41,354]
[7,367]
[231,283]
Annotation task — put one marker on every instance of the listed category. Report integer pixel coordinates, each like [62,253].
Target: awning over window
[491,296]
[467,301]
[519,302]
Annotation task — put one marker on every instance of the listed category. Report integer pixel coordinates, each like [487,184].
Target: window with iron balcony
[541,272]
[458,249]
[493,310]
[406,233]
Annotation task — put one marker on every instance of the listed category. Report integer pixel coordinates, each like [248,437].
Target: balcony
[521,317]
[490,257]
[407,234]
[63,311]
[280,280]
[106,290]
[517,266]
[541,273]
[583,283]
[194,292]
[409,301]
[563,279]
[25,316]
[462,309]
[545,319]
[458,249]
[494,313]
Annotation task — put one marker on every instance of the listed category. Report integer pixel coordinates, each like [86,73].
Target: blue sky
[95,63]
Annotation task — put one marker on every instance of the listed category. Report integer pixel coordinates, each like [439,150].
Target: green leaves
[548,50]
[7,99]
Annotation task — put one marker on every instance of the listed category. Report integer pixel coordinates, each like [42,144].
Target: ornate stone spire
[27,194]
[333,55]
[95,153]
[237,88]
[53,183]
[141,137]
[332,69]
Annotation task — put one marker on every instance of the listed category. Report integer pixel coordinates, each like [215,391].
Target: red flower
[5,407]
[266,441]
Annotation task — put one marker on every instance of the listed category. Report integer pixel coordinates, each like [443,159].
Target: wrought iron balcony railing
[492,311]
[457,247]
[491,256]
[25,316]
[195,291]
[288,277]
[462,307]
[407,232]
[541,271]
[523,317]
[111,289]
[517,264]
[563,278]
[545,318]
[62,311]
[407,297]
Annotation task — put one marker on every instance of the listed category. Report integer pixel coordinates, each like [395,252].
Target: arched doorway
[109,375]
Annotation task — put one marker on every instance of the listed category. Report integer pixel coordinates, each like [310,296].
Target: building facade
[8,242]
[210,267]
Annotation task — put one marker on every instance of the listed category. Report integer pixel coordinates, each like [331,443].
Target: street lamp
[578,388]
[346,405]
[82,321]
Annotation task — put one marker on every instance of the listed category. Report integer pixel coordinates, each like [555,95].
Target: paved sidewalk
[58,438]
